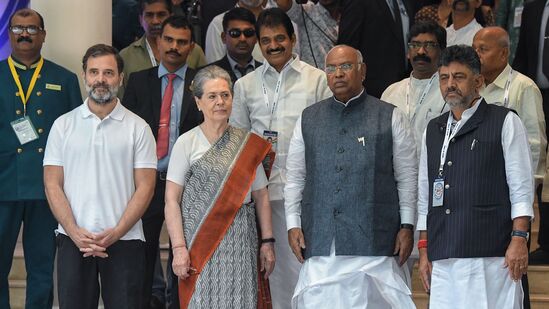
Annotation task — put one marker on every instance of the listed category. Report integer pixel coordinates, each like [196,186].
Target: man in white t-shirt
[99,175]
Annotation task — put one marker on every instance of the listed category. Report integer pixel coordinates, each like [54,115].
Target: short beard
[462,103]
[102,98]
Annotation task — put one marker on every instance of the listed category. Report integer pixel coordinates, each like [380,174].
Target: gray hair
[359,58]
[209,73]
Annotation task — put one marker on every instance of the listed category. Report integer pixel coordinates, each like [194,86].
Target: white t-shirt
[98,159]
[190,147]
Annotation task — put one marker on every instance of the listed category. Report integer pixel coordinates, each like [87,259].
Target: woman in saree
[214,172]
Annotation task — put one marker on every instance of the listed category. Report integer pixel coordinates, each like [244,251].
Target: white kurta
[482,283]
[463,35]
[354,281]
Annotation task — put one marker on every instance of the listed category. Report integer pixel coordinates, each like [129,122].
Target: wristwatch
[522,234]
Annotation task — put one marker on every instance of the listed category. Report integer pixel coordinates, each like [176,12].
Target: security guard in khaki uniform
[34,92]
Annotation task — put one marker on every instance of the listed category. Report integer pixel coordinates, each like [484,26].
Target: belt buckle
[162,175]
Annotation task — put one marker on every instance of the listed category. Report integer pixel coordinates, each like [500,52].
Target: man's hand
[425,269]
[107,237]
[85,242]
[297,242]
[516,258]
[404,244]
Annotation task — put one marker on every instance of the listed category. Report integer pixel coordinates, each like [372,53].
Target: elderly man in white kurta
[268,102]
[350,197]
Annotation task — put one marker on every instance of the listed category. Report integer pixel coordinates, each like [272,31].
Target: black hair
[463,54]
[431,28]
[274,17]
[26,12]
[142,4]
[238,14]
[102,50]
[178,22]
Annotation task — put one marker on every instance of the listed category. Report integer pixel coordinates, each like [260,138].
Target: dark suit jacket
[368,26]
[526,57]
[143,96]
[226,65]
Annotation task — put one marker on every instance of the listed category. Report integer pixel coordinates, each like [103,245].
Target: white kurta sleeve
[405,166]
[520,176]
[423,188]
[240,115]
[295,182]
[215,49]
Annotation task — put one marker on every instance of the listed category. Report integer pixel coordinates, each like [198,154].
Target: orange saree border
[223,212]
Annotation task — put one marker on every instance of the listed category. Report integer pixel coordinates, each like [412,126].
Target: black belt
[162,175]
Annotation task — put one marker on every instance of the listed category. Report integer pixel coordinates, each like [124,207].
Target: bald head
[492,47]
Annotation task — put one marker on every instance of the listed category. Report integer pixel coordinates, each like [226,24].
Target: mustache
[173,52]
[24,38]
[275,50]
[242,45]
[100,85]
[452,90]
[422,58]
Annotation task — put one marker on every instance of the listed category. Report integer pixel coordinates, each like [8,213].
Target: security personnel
[34,93]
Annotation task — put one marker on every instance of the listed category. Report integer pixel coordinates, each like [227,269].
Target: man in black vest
[475,195]
[350,194]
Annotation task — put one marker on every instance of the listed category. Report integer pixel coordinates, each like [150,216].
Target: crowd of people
[308,155]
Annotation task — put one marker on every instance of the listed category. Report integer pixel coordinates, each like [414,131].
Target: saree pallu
[221,232]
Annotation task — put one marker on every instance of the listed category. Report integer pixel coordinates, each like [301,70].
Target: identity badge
[271,137]
[438,192]
[24,130]
[517,18]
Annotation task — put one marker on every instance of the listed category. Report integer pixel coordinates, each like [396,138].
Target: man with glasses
[239,37]
[350,196]
[34,93]
[268,102]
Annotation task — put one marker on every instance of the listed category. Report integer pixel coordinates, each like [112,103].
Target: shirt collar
[351,99]
[234,64]
[293,63]
[473,23]
[502,77]
[162,71]
[117,113]
[21,66]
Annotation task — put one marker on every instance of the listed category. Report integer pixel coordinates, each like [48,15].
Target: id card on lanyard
[438,183]
[412,116]
[23,127]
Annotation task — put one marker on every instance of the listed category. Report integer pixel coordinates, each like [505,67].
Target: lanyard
[421,98]
[276,93]
[507,86]
[150,52]
[25,98]
[447,137]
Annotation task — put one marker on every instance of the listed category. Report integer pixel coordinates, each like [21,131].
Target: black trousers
[121,275]
[543,236]
[152,226]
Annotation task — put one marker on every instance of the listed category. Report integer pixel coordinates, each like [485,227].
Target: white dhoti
[480,283]
[284,277]
[352,282]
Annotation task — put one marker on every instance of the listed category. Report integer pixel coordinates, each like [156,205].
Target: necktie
[545,57]
[164,123]
[398,20]
[243,71]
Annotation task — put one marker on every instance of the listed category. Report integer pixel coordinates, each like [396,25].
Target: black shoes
[538,257]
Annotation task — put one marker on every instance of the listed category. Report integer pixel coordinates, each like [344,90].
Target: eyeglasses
[235,33]
[32,30]
[345,67]
[426,45]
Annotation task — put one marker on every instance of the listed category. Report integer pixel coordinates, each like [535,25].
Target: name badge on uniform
[518,16]
[24,130]
[438,192]
[53,87]
[271,137]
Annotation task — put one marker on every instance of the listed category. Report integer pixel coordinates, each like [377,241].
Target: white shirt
[543,81]
[525,99]
[518,171]
[215,49]
[302,85]
[404,163]
[418,113]
[463,35]
[98,159]
[190,147]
